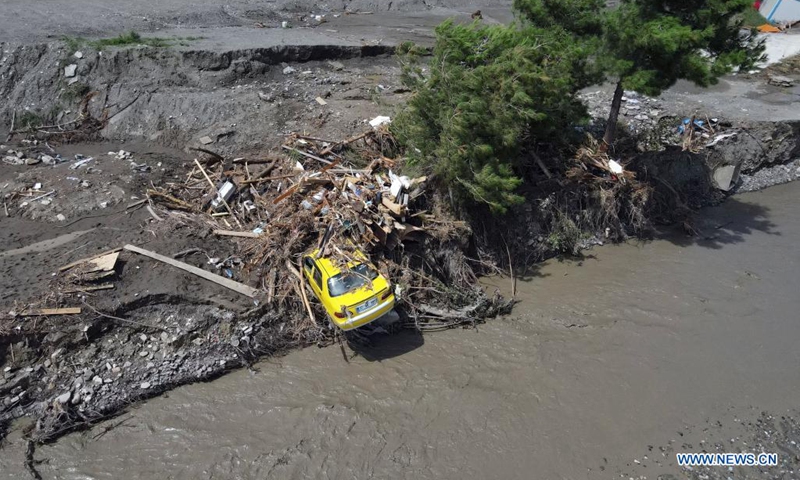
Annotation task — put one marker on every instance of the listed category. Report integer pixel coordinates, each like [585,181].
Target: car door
[313,275]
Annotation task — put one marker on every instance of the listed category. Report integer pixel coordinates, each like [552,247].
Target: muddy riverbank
[608,367]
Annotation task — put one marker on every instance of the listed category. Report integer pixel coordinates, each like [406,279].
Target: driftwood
[212,277]
[233,233]
[51,311]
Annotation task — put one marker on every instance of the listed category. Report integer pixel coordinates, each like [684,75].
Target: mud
[609,367]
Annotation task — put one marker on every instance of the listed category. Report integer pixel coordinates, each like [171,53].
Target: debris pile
[340,197]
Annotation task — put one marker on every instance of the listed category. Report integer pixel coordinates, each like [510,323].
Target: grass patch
[128,39]
[75,92]
[29,120]
[752,18]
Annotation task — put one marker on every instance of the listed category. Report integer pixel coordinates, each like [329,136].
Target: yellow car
[352,298]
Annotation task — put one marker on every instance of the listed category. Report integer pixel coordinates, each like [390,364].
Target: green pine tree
[648,45]
[485,93]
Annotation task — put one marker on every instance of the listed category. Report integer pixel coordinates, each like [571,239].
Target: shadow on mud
[732,223]
[383,347]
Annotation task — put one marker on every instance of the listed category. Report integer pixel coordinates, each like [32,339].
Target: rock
[69,70]
[60,217]
[76,397]
[32,161]
[126,365]
[726,176]
[144,353]
[338,66]
[206,140]
[145,385]
[164,336]
[97,380]
[288,71]
[143,337]
[780,81]
[63,398]
[48,160]
[78,54]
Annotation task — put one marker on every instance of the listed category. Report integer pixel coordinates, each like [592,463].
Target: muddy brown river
[607,367]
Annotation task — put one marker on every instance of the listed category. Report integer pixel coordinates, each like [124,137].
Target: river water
[638,349]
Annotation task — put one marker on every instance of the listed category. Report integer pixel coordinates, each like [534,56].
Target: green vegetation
[487,91]
[29,120]
[127,39]
[752,18]
[130,38]
[492,97]
[75,92]
[648,45]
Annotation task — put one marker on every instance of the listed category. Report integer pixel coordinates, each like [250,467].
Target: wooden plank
[234,233]
[211,277]
[306,154]
[105,286]
[83,260]
[395,208]
[52,311]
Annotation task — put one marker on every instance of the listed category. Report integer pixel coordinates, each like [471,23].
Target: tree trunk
[611,125]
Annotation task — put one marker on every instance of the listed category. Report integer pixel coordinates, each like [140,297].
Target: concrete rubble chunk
[69,70]
[206,140]
[64,398]
[726,176]
[780,81]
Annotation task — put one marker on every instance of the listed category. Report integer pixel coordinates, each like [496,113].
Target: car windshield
[348,281]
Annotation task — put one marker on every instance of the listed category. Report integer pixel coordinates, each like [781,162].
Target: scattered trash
[379,120]
[80,163]
[615,167]
[720,137]
[321,101]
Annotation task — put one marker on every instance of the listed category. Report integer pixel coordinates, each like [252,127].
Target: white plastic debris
[615,167]
[379,120]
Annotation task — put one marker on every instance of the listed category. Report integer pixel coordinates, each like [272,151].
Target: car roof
[330,268]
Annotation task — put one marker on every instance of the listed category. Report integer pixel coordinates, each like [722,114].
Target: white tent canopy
[778,11]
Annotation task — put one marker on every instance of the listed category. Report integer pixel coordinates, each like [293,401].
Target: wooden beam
[52,311]
[211,277]
[234,233]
